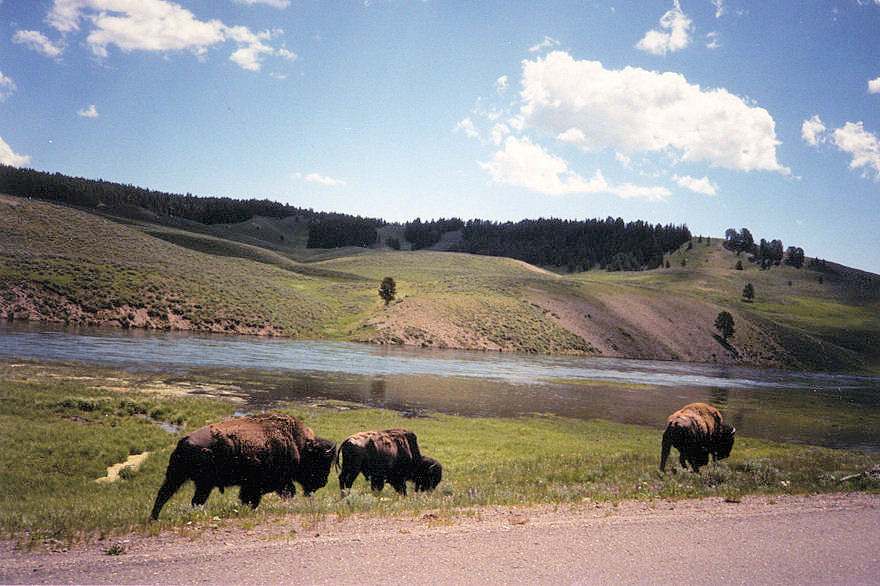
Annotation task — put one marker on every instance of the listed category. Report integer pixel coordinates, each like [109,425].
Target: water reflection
[826,409]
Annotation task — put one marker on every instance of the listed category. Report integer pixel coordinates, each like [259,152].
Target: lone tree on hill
[724,324]
[388,290]
[748,292]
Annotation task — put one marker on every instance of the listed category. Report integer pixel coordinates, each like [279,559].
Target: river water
[818,408]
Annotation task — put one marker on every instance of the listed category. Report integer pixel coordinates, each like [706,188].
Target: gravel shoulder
[784,539]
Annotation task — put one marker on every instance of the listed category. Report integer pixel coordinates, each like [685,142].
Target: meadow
[59,435]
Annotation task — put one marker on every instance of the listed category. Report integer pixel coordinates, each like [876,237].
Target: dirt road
[784,540]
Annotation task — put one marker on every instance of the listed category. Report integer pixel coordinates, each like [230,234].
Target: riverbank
[67,431]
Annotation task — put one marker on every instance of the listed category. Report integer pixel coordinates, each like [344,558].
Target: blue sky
[713,113]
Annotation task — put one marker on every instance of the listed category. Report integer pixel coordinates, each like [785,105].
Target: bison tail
[664,451]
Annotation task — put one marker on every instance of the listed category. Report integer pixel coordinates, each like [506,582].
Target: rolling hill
[129,268]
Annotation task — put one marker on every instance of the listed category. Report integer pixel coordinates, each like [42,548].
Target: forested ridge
[575,245]
[610,244]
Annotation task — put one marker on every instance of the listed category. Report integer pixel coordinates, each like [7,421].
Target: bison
[427,475]
[262,453]
[390,455]
[696,430]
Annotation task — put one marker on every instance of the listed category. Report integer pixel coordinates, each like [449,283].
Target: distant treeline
[336,230]
[610,244]
[766,254]
[97,193]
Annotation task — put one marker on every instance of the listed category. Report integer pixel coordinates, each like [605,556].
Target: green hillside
[256,277]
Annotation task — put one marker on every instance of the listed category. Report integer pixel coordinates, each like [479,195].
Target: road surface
[829,539]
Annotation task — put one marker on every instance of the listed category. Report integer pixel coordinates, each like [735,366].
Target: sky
[712,113]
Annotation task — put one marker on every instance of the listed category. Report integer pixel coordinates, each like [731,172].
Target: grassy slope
[63,264]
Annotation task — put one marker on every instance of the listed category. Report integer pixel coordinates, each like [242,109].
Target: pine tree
[388,290]
[724,324]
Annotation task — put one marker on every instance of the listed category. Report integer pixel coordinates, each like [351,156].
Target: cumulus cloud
[703,186]
[874,86]
[90,112]
[322,179]
[7,86]
[851,138]
[812,131]
[37,41]
[863,146]
[9,157]
[158,25]
[675,36]
[547,43]
[528,165]
[501,84]
[633,110]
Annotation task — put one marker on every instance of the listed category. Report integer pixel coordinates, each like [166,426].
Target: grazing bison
[428,474]
[262,453]
[696,430]
[390,455]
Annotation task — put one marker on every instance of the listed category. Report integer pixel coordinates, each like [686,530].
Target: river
[817,408]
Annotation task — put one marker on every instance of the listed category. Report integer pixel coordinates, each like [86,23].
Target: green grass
[60,436]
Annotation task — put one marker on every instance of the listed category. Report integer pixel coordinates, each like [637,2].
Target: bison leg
[250,495]
[171,485]
[664,452]
[399,486]
[203,491]
[288,491]
[377,482]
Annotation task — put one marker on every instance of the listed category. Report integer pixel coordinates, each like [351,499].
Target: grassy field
[69,266]
[60,435]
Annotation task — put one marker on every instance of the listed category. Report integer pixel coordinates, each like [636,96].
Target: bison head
[316,459]
[724,441]
[428,474]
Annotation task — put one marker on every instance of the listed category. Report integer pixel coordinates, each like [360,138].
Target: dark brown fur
[263,453]
[390,455]
[696,431]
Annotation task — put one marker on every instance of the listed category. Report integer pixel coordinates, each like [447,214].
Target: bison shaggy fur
[696,431]
[261,454]
[389,455]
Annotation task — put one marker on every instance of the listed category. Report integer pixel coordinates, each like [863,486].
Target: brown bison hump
[700,418]
[263,432]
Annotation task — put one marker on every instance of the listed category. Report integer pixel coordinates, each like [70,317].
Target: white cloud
[545,44]
[37,41]
[501,84]
[499,131]
[527,165]
[863,146]
[874,86]
[851,138]
[703,186]
[719,7]
[634,110]
[678,26]
[275,3]
[318,178]
[812,131]
[712,40]
[159,25]
[8,157]
[467,125]
[7,86]
[90,112]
